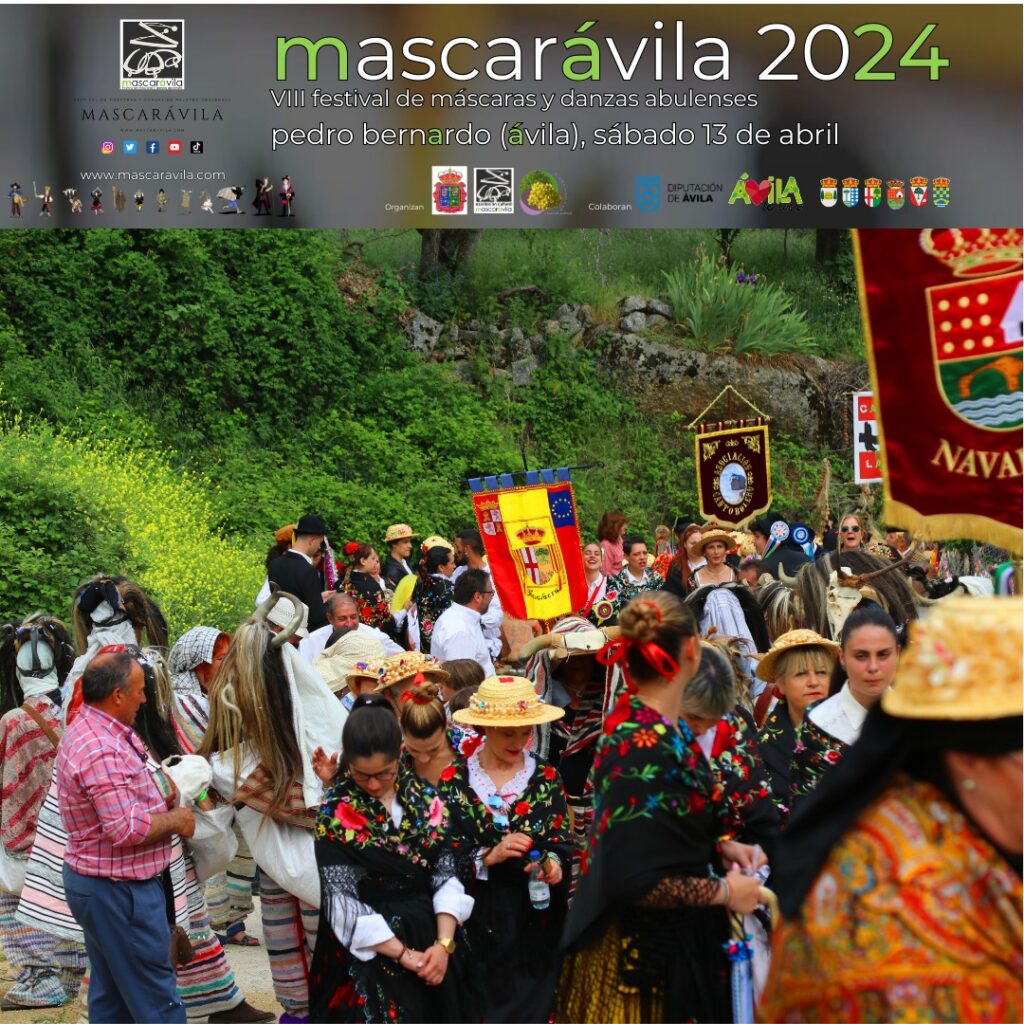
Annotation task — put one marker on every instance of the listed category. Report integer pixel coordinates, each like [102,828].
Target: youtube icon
[174,147]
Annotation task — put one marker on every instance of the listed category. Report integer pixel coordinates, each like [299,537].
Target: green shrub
[719,312]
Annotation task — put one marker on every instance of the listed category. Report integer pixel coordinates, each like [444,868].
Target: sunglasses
[849,529]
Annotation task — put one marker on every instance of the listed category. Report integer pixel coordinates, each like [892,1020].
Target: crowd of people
[754,769]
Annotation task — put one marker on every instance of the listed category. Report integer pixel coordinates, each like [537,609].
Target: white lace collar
[484,787]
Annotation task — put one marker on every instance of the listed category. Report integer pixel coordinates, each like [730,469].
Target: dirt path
[252,974]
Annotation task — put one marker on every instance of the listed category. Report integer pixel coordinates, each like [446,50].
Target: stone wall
[806,397]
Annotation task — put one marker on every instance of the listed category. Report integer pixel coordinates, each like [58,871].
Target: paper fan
[406,585]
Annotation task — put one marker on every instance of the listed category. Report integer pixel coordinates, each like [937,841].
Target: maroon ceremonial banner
[942,321]
[734,477]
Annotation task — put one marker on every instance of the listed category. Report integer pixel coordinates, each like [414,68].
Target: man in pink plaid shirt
[119,830]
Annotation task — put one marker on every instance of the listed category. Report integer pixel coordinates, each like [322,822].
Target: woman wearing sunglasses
[853,532]
[390,945]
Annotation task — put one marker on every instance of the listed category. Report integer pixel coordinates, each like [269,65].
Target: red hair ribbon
[651,604]
[616,651]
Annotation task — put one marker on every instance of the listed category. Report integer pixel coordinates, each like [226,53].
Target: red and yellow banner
[942,320]
[533,548]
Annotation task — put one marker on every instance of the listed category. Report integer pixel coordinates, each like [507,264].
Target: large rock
[523,370]
[804,396]
[422,334]
[632,303]
[636,321]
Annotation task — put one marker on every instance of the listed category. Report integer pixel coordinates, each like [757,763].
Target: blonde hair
[659,618]
[800,659]
[420,712]
[250,703]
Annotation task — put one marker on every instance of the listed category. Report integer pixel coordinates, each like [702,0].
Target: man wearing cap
[399,541]
[773,547]
[343,618]
[457,632]
[293,571]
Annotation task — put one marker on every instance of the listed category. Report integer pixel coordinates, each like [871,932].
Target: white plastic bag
[192,775]
[214,843]
[284,852]
[12,871]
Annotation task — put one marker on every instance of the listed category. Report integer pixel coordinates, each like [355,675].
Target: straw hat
[766,668]
[434,541]
[716,534]
[400,668]
[507,701]
[398,531]
[962,662]
[334,664]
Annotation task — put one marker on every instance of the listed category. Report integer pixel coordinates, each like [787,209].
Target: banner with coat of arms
[734,480]
[532,539]
[943,321]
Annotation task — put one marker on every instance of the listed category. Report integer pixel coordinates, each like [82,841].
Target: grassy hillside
[169,398]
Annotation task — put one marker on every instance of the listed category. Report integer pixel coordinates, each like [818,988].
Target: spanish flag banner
[942,320]
[533,545]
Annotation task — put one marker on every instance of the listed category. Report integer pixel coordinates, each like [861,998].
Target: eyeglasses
[849,529]
[363,779]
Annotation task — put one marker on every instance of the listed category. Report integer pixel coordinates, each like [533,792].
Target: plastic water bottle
[540,892]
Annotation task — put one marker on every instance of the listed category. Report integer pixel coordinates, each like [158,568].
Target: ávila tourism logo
[770,193]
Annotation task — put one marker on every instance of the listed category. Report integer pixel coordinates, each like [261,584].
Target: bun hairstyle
[420,712]
[659,618]
[371,729]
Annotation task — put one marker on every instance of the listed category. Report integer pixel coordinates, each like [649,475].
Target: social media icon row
[130,147]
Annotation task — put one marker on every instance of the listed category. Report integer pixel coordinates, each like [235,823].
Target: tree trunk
[725,237]
[826,245]
[445,250]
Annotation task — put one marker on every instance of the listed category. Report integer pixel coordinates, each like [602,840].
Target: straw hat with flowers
[436,541]
[767,668]
[506,701]
[398,531]
[406,666]
[962,662]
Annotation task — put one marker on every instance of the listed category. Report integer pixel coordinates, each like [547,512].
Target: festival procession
[738,765]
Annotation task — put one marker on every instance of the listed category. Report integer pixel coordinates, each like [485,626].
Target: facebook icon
[152,147]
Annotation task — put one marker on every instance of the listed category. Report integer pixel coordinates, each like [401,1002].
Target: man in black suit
[293,572]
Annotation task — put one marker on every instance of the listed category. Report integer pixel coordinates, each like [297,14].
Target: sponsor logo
[449,190]
[940,192]
[152,53]
[829,191]
[851,192]
[895,195]
[873,192]
[918,191]
[691,192]
[770,193]
[541,192]
[648,193]
[493,190]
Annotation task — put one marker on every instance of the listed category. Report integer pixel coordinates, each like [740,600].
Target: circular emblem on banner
[732,483]
[801,534]
[780,531]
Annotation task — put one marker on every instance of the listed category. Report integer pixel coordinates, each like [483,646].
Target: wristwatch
[448,945]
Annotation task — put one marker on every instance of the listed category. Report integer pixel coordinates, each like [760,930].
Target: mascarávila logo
[152,53]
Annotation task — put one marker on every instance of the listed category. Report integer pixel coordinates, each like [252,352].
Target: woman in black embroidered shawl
[505,803]
[390,946]
[645,931]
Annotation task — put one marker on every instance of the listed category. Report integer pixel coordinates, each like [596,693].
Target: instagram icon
[107,147]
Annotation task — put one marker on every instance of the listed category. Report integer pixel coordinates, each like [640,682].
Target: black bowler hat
[681,523]
[312,526]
